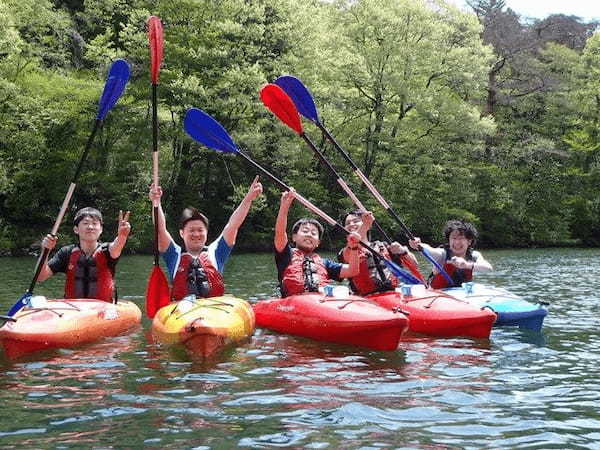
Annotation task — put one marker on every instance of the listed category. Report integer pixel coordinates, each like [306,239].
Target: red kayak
[66,324]
[346,320]
[436,313]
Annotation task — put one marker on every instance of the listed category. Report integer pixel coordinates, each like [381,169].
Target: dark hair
[306,220]
[356,212]
[191,213]
[93,213]
[467,229]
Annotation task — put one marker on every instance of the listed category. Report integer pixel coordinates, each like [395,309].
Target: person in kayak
[373,276]
[89,265]
[299,268]
[457,256]
[198,270]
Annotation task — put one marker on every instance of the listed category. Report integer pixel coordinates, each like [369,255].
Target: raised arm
[116,247]
[351,255]
[239,215]
[164,237]
[281,237]
[438,253]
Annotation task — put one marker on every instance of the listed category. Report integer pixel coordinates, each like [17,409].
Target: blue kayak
[511,309]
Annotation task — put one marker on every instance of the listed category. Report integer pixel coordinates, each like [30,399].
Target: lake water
[515,390]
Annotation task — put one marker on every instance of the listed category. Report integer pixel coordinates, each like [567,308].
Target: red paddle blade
[157,292]
[280,104]
[155,37]
[410,264]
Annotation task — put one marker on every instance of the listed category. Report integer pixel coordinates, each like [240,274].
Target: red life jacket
[304,273]
[197,276]
[373,275]
[89,277]
[459,276]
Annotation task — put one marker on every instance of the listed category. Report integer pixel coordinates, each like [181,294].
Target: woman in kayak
[198,270]
[457,256]
[299,268]
[89,265]
[373,276]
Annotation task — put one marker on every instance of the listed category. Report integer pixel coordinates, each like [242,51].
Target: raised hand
[255,189]
[124,225]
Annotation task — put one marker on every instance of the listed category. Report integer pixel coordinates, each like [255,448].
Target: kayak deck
[204,326]
[436,313]
[512,310]
[66,323]
[346,320]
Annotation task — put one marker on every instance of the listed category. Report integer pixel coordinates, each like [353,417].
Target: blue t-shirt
[218,253]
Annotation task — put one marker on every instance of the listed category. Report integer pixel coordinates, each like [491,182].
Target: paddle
[305,104]
[113,88]
[157,290]
[204,129]
[282,106]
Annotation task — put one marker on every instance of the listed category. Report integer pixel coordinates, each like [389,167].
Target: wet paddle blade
[300,95]
[401,273]
[202,128]
[23,301]
[157,292]
[118,76]
[437,265]
[155,38]
[280,104]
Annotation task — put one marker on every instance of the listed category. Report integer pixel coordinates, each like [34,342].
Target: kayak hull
[66,324]
[512,310]
[349,320]
[204,326]
[435,313]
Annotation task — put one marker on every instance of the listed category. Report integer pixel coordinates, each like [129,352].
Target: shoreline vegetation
[480,115]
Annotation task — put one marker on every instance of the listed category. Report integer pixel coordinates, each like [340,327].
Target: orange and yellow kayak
[66,323]
[204,326]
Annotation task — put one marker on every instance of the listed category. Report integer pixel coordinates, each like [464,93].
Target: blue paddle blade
[118,76]
[202,128]
[300,95]
[401,273]
[22,302]
[440,269]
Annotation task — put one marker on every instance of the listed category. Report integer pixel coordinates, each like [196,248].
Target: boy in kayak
[90,265]
[457,256]
[299,268]
[198,269]
[373,276]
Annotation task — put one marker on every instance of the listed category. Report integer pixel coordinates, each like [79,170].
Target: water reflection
[515,390]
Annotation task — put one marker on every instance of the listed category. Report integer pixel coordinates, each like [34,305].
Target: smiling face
[459,244]
[352,223]
[194,235]
[307,237]
[88,229]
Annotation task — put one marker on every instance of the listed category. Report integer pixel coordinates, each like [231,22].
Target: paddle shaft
[341,182]
[381,200]
[65,204]
[317,210]
[155,166]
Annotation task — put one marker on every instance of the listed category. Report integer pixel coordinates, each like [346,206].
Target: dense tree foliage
[479,115]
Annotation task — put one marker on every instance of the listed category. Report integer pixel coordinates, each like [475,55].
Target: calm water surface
[515,390]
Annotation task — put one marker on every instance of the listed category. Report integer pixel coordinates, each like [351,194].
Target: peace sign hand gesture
[124,225]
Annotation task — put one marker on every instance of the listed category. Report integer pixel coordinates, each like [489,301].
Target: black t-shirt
[60,261]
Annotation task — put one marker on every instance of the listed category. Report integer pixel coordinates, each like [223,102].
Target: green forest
[479,115]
